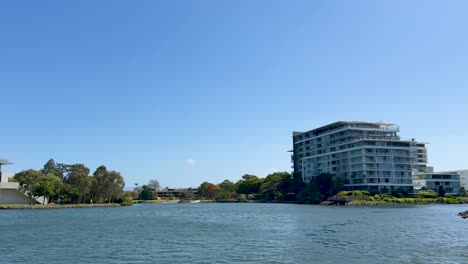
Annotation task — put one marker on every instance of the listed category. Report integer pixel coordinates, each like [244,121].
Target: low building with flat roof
[10,192]
[449,181]
[463,177]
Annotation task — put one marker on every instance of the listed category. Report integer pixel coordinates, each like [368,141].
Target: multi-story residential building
[449,181]
[367,156]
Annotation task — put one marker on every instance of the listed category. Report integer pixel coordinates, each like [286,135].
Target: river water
[235,233]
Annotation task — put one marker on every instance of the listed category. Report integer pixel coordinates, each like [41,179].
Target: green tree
[52,167]
[328,184]
[271,185]
[127,199]
[146,193]
[441,191]
[290,187]
[153,185]
[462,192]
[50,185]
[222,195]
[43,189]
[310,194]
[185,195]
[30,181]
[107,184]
[208,190]
[227,186]
[80,181]
[249,184]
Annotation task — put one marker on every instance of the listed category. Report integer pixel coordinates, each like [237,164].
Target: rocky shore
[463,215]
[52,206]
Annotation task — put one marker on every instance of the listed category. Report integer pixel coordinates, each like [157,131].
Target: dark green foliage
[227,186]
[44,189]
[310,195]
[441,191]
[320,188]
[328,184]
[462,192]
[63,183]
[29,181]
[185,195]
[249,184]
[397,194]
[146,193]
[80,181]
[107,185]
[270,188]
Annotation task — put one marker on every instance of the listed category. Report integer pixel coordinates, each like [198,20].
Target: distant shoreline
[64,206]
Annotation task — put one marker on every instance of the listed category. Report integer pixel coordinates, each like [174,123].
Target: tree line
[71,183]
[278,186]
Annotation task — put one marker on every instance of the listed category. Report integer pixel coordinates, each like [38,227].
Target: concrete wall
[13,196]
[10,194]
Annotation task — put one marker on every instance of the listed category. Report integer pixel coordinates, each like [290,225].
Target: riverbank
[53,206]
[362,198]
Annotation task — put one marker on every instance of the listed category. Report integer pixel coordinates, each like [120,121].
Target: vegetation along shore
[54,206]
[72,186]
[283,187]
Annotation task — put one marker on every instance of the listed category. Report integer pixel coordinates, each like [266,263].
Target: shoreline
[42,207]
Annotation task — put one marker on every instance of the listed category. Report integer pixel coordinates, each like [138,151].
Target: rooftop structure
[368,156]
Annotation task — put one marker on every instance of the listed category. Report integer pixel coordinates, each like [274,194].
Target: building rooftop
[338,124]
[4,162]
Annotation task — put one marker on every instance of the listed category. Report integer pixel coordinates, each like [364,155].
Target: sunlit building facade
[366,156]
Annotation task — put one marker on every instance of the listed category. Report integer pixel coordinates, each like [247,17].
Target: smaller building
[463,177]
[10,192]
[450,181]
[170,193]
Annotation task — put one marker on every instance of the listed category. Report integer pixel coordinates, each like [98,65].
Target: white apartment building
[367,156]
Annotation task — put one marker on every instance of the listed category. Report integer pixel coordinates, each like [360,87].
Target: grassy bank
[53,206]
[364,198]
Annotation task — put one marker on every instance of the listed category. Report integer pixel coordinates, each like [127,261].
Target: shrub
[428,195]
[127,199]
[355,193]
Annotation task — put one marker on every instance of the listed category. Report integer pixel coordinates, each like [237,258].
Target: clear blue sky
[144,86]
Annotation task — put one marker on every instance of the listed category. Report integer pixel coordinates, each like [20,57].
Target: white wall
[10,194]
[6,175]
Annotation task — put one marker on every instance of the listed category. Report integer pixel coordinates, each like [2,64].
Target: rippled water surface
[235,233]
